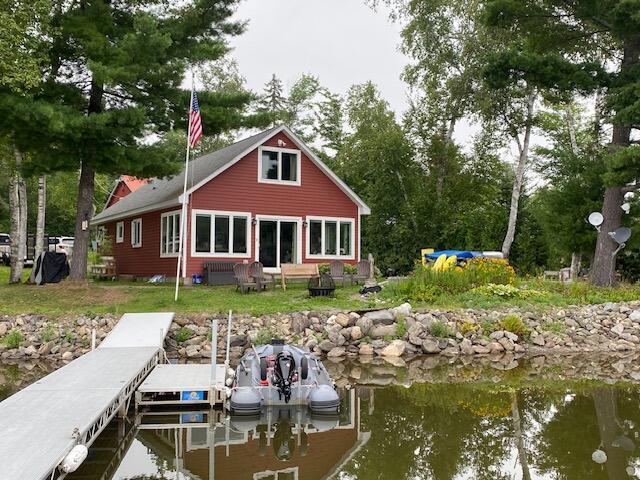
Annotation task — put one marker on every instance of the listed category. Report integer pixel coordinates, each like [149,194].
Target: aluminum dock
[40,424]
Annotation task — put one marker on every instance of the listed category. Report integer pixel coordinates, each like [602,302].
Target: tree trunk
[85,199]
[518,180]
[40,219]
[576,260]
[604,260]
[517,432]
[18,209]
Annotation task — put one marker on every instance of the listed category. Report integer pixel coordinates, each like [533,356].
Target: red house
[124,186]
[267,197]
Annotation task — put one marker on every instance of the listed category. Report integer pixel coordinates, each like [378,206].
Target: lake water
[559,418]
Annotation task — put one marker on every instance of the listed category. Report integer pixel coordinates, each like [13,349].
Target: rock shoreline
[389,333]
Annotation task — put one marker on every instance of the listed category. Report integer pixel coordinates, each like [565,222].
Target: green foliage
[183,334]
[514,324]
[48,333]
[264,336]
[427,285]
[401,328]
[468,327]
[555,326]
[506,291]
[69,336]
[13,339]
[487,327]
[441,330]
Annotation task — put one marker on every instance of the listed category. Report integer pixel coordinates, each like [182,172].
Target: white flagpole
[183,213]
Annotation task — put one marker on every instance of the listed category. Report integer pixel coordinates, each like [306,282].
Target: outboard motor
[285,370]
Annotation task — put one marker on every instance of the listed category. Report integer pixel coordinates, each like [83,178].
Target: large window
[224,234]
[136,233]
[170,234]
[330,237]
[279,165]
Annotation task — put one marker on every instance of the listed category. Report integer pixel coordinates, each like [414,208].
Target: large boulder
[342,319]
[381,331]
[326,345]
[337,352]
[365,324]
[394,349]
[384,317]
[430,346]
[401,311]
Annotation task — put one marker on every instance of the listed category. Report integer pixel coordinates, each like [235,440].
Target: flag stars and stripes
[195,121]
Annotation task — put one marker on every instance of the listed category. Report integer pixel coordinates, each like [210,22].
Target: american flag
[195,121]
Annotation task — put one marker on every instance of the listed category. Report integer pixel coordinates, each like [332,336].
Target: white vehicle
[61,245]
[5,248]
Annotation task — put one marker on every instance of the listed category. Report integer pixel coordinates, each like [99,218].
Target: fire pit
[322,286]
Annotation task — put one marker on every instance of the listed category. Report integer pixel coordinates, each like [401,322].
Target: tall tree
[580,47]
[114,78]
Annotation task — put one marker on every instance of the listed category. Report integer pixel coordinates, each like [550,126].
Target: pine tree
[272,99]
[114,79]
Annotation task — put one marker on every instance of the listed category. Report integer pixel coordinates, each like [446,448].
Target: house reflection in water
[280,444]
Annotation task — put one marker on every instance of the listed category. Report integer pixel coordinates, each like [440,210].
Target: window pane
[176,233]
[345,238]
[330,237]
[239,234]
[315,235]
[203,233]
[269,165]
[289,166]
[222,234]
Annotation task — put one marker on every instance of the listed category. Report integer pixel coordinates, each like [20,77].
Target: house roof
[132,183]
[165,192]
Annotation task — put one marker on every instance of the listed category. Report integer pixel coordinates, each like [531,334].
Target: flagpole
[183,213]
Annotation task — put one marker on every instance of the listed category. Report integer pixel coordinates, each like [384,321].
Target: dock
[71,406]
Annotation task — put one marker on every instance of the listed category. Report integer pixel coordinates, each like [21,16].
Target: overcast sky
[343,42]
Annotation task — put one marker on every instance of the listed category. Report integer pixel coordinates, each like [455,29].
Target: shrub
[401,328]
[467,326]
[324,268]
[264,336]
[350,269]
[514,324]
[183,334]
[488,327]
[441,330]
[48,333]
[13,339]
[506,291]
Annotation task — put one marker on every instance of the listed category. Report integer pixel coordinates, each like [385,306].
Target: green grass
[120,297]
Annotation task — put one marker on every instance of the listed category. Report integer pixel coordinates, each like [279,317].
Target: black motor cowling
[285,371]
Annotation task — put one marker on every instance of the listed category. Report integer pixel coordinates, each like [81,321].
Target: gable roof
[162,193]
[132,183]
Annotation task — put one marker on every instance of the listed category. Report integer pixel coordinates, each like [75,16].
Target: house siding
[121,191]
[237,190]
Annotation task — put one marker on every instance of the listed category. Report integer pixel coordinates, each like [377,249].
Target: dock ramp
[43,422]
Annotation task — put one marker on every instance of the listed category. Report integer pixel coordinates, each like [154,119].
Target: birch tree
[40,215]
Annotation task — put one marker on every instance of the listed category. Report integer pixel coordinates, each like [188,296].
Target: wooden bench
[106,269]
[297,270]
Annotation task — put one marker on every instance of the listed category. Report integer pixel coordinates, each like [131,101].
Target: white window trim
[280,151]
[133,222]
[119,232]
[162,217]
[213,213]
[279,218]
[323,256]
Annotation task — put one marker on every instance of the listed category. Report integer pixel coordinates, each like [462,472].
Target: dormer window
[278,165]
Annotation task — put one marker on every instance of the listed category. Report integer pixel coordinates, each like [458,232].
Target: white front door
[278,240]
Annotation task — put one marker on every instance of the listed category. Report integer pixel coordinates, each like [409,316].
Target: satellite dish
[626,206]
[595,219]
[629,196]
[621,235]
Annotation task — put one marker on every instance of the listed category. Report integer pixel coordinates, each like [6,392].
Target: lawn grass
[120,297]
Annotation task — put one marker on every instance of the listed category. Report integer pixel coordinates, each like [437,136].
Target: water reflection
[538,421]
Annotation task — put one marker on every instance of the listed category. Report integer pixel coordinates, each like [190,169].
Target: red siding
[238,189]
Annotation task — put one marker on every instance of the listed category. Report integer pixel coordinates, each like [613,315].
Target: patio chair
[256,271]
[244,282]
[363,271]
[336,269]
